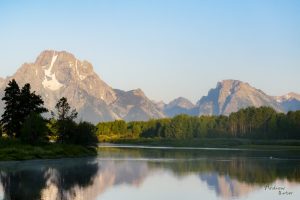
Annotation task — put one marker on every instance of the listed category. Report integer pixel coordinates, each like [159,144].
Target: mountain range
[229,96]
[55,74]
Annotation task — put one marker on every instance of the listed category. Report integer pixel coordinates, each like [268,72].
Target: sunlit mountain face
[56,74]
[129,173]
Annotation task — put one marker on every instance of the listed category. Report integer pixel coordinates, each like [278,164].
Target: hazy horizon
[166,48]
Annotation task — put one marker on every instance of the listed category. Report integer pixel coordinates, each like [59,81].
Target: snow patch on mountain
[50,82]
[288,97]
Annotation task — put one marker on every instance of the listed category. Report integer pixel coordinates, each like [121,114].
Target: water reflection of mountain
[230,175]
[226,187]
[67,179]
[254,167]
[109,174]
[28,180]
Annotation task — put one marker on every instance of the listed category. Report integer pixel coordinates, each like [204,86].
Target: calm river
[142,173]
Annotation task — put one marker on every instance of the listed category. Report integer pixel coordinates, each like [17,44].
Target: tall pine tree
[30,102]
[19,104]
[11,121]
[65,120]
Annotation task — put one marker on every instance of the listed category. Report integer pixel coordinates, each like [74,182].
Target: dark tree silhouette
[85,134]
[28,181]
[18,106]
[65,120]
[30,102]
[34,130]
[11,121]
[63,110]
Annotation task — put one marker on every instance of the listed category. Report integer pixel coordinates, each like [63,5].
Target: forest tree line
[251,123]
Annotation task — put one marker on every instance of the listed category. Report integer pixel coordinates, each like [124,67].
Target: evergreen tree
[65,120]
[63,110]
[11,118]
[30,102]
[19,104]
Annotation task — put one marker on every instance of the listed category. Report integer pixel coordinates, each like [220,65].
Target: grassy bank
[216,142]
[15,150]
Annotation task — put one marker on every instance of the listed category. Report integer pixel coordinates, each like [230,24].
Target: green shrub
[85,134]
[34,129]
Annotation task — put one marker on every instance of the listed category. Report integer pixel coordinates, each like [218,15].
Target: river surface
[147,173]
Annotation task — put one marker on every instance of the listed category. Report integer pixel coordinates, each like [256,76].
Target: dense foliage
[19,104]
[65,124]
[66,130]
[252,123]
[34,129]
[22,119]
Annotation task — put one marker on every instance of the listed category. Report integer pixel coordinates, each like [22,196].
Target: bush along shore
[16,150]
[26,134]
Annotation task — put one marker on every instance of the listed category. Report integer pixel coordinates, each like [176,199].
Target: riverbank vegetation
[18,150]
[263,125]
[26,134]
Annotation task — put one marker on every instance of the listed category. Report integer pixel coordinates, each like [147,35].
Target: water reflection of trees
[256,172]
[27,182]
[228,173]
[253,167]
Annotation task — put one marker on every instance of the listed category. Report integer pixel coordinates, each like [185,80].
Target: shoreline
[15,151]
[21,152]
[224,143]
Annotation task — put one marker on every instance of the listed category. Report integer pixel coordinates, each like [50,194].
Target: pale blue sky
[167,48]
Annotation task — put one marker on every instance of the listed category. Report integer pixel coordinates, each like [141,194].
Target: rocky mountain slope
[289,102]
[178,106]
[56,74]
[232,95]
[1,81]
[134,105]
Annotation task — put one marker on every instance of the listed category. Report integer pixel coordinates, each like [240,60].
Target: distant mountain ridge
[230,96]
[289,102]
[55,74]
[288,96]
[178,106]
